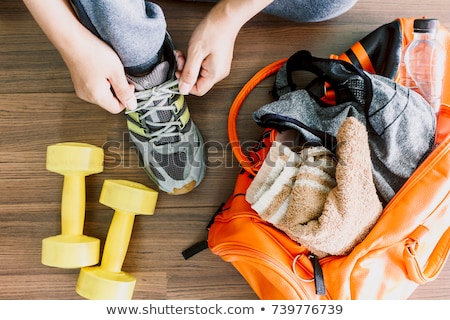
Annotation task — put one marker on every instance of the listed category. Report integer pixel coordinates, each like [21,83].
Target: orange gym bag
[409,243]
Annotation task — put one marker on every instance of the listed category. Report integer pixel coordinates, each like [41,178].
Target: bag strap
[202,244]
[233,137]
[434,264]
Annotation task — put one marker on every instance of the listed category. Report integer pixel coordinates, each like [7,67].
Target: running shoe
[169,144]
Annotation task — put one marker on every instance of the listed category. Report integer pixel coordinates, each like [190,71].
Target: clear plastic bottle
[424,60]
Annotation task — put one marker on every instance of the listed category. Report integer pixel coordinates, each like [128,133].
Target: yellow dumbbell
[108,281]
[72,249]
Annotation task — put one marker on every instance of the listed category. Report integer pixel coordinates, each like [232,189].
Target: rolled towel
[329,217]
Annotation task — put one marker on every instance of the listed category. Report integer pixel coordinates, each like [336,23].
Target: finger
[123,91]
[190,73]
[110,104]
[209,76]
[99,93]
[181,59]
[106,99]
[202,86]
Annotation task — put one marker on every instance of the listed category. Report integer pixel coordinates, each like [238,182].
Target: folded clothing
[326,203]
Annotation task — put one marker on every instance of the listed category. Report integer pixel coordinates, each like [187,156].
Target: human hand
[98,76]
[209,56]
[211,46]
[97,73]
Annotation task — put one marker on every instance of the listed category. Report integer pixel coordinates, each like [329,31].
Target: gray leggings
[135,29]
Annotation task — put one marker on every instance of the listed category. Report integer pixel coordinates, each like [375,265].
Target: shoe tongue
[157,76]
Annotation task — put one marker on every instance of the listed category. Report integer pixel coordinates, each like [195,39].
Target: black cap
[425,25]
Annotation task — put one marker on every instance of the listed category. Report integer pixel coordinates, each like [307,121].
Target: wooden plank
[38,107]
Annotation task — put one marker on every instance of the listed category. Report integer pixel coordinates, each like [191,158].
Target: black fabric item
[384,48]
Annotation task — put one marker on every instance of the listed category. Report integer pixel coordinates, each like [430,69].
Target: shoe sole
[185,189]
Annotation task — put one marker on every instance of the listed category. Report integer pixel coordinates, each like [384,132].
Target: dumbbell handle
[73,205]
[117,240]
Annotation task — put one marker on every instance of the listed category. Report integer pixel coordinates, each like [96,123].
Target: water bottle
[424,59]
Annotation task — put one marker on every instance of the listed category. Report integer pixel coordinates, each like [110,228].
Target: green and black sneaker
[169,144]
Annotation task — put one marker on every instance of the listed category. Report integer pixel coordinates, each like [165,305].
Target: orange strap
[237,104]
[363,57]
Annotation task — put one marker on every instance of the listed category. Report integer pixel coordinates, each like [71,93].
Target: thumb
[189,74]
[123,91]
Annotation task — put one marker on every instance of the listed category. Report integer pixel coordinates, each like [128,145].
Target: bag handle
[302,60]
[434,264]
[236,106]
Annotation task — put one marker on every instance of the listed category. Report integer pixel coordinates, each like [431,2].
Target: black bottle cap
[425,25]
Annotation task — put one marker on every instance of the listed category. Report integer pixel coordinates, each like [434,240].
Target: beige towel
[325,206]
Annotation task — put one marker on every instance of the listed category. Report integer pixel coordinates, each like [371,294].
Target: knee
[331,9]
[309,10]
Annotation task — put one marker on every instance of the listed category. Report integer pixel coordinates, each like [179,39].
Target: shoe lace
[156,99]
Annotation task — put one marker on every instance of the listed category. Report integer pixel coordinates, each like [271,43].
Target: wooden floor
[38,107]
